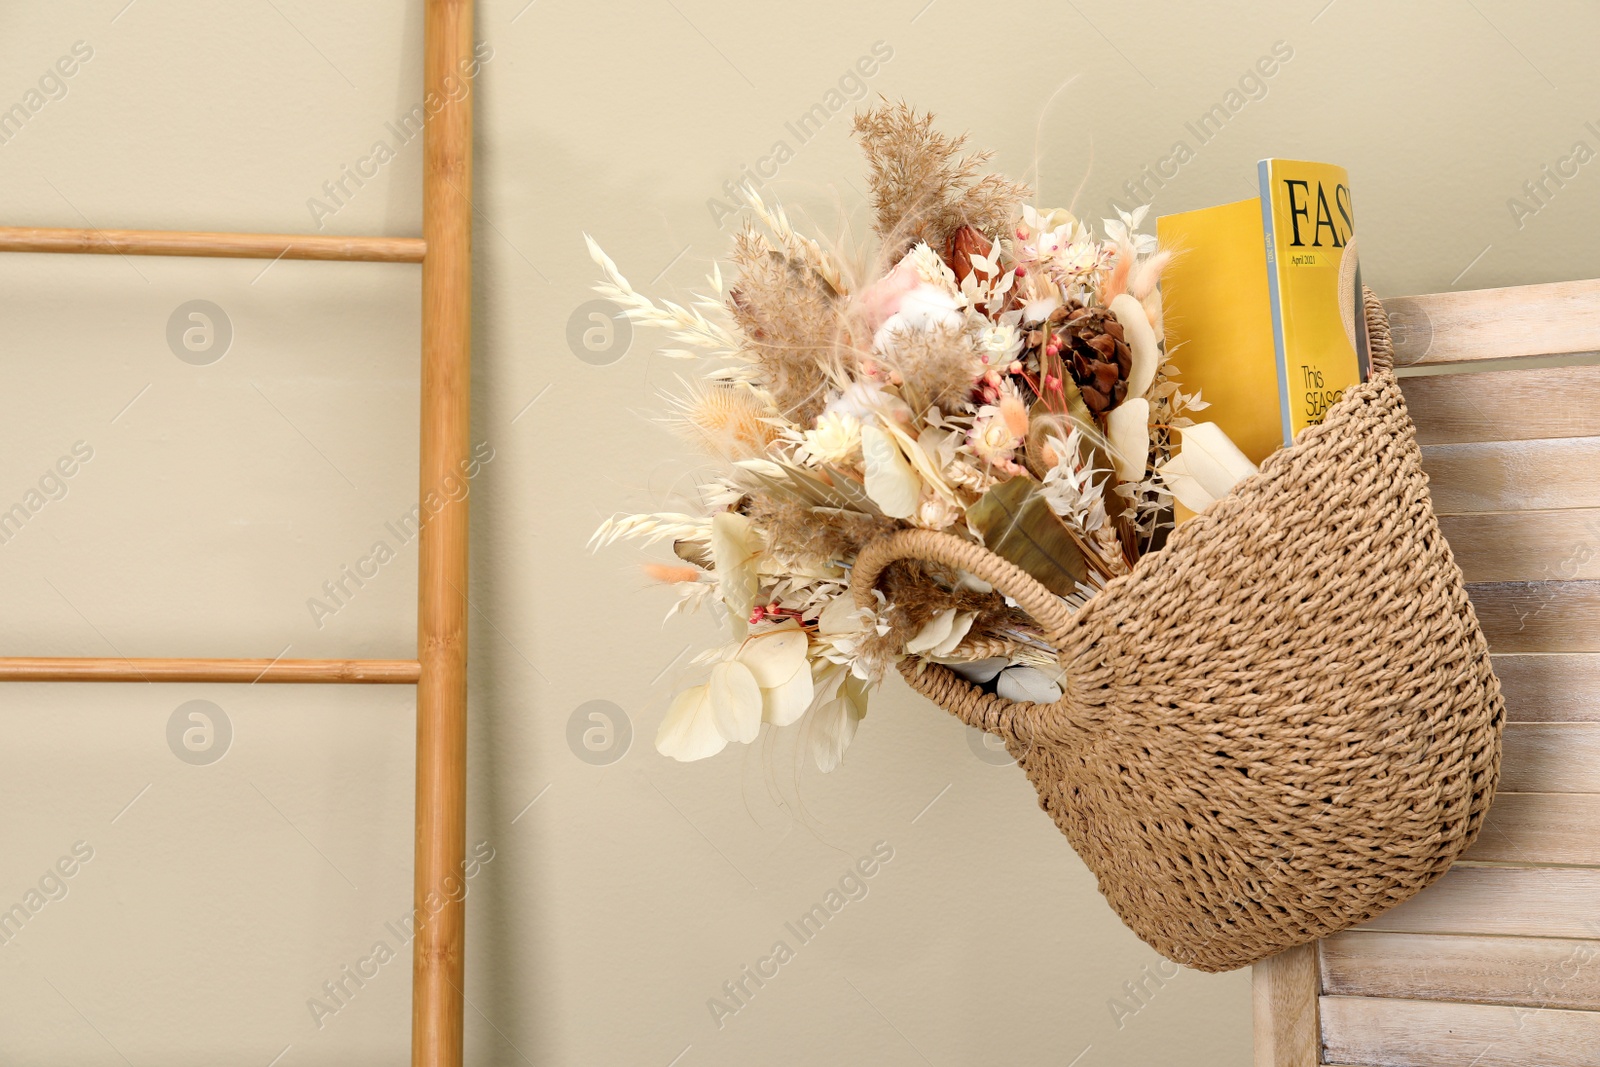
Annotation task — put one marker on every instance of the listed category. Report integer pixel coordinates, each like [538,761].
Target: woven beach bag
[1279,725]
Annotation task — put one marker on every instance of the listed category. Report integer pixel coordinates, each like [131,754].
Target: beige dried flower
[808,536]
[836,440]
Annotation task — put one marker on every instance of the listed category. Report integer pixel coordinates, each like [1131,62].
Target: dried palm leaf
[1017,524]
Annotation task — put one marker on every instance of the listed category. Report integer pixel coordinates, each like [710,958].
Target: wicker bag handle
[1046,608]
[1380,345]
[986,711]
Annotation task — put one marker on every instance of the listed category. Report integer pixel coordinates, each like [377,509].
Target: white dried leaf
[891,483]
[979,671]
[1128,434]
[1027,685]
[734,544]
[1207,467]
[735,701]
[1141,343]
[689,731]
[833,724]
[959,629]
[933,632]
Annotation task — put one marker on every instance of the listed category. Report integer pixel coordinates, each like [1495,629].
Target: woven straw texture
[1278,726]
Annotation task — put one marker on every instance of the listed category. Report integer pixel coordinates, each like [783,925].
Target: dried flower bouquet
[997,371]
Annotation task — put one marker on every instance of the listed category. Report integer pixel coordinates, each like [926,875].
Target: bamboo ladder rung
[115,669]
[213,245]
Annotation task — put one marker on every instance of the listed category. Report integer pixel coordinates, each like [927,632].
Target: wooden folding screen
[439,669]
[1497,964]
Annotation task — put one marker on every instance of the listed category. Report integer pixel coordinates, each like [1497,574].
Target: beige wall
[219,498]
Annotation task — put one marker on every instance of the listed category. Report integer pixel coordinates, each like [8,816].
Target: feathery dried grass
[935,368]
[792,320]
[915,592]
[803,535]
[922,188]
[686,325]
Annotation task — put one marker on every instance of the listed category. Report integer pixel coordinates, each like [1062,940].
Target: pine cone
[1097,357]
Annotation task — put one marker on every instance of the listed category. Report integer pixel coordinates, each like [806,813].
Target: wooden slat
[1544,475]
[212,245]
[1525,320]
[1522,546]
[1511,405]
[1534,972]
[1429,1033]
[1550,688]
[1551,757]
[1540,828]
[76,669]
[1284,995]
[1502,901]
[1539,616]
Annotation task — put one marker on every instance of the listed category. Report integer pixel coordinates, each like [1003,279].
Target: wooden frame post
[1284,995]
[437,952]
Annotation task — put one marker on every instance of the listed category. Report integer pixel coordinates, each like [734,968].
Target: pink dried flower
[878,301]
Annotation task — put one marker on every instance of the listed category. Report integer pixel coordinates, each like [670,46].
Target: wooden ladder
[440,669]
[1498,963]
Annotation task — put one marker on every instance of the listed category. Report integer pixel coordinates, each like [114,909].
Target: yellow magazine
[1262,304]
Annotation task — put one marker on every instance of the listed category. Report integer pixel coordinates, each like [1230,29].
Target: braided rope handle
[1047,609]
[986,711]
[1380,345]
